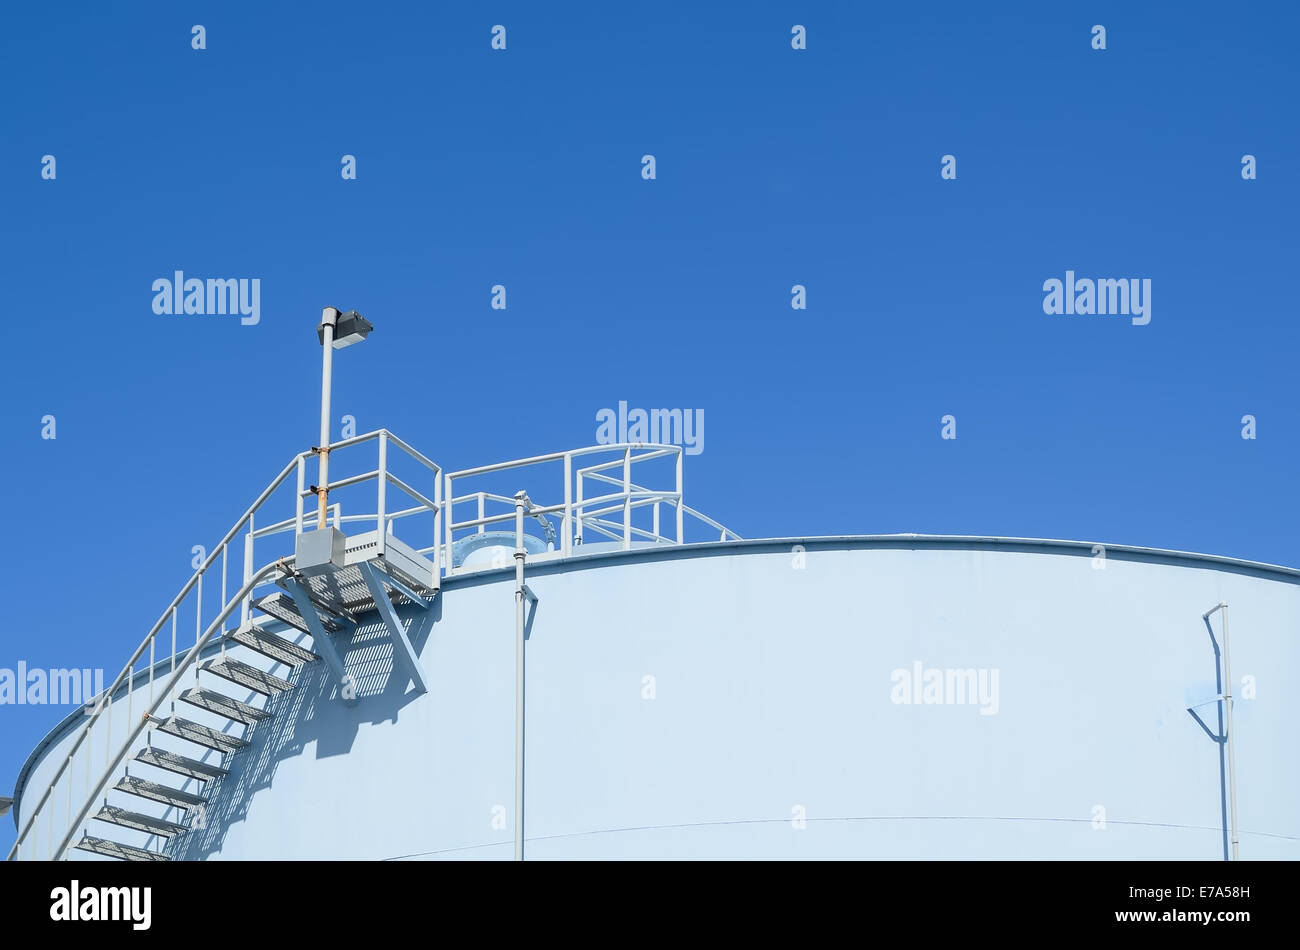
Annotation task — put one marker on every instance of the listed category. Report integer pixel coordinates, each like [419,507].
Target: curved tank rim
[755,545]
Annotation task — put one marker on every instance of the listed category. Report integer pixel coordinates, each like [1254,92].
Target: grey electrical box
[319,552]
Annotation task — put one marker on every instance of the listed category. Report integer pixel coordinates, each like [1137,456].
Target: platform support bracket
[404,654]
[321,642]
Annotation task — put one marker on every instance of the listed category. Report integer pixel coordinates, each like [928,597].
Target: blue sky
[774,167]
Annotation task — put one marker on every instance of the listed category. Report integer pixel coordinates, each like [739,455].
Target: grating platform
[190,768]
[344,589]
[132,819]
[249,677]
[270,645]
[158,793]
[123,852]
[223,705]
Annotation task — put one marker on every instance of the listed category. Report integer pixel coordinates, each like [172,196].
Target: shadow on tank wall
[312,712]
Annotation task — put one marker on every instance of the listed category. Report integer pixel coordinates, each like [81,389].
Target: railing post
[68,818]
[627,498]
[198,620]
[225,548]
[246,606]
[302,486]
[108,726]
[577,527]
[383,488]
[680,499]
[437,528]
[566,527]
[446,525]
[482,498]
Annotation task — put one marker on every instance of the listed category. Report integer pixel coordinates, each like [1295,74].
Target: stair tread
[223,705]
[157,792]
[282,607]
[203,735]
[114,849]
[247,676]
[138,821]
[273,646]
[181,765]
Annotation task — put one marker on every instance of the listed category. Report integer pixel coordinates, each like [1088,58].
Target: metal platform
[344,589]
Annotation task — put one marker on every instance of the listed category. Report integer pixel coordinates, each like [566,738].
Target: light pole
[336,331]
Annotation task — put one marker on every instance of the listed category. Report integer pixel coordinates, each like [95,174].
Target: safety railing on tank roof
[579,511]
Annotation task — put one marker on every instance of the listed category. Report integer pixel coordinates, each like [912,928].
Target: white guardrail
[611,513]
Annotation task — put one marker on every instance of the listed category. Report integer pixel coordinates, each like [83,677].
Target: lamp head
[349,327]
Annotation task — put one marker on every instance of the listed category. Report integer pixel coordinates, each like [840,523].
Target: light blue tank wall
[773,692]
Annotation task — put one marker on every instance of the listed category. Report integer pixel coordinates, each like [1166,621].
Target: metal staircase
[183,785]
[168,766]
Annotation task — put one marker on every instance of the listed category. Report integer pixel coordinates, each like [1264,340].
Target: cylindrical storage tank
[858,697]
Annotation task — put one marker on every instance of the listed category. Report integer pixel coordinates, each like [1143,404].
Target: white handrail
[577,510]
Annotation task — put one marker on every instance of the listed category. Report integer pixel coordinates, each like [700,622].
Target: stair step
[282,607]
[249,677]
[277,648]
[223,705]
[158,793]
[203,735]
[190,768]
[123,852]
[132,819]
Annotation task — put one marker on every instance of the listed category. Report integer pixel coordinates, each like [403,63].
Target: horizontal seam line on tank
[761,821]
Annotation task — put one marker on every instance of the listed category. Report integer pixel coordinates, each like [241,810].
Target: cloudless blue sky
[522,168]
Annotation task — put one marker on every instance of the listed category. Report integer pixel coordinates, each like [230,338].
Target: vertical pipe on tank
[1227,695]
[521,499]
